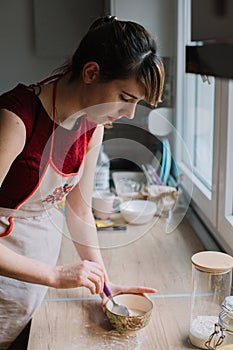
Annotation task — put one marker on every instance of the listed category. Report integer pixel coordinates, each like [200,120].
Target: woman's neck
[67,100]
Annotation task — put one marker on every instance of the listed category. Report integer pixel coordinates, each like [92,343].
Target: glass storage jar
[222,337]
[211,284]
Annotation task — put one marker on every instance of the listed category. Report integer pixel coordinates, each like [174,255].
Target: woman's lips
[111,119]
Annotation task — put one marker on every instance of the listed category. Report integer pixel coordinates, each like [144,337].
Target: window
[204,117]
[197,120]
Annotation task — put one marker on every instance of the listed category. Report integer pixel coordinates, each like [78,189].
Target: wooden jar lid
[211,261]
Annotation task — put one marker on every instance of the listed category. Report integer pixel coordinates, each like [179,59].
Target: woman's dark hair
[122,49]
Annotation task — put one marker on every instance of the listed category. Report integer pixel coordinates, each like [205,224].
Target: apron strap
[50,79]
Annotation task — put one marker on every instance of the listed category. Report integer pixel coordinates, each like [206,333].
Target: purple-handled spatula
[117,308]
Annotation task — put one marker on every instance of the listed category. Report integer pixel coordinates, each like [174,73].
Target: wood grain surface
[141,255]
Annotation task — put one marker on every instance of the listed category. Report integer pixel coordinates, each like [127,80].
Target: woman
[50,134]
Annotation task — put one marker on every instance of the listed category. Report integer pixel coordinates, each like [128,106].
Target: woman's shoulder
[17,100]
[23,102]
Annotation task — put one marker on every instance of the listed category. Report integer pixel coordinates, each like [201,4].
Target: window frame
[225,212]
[199,193]
[215,206]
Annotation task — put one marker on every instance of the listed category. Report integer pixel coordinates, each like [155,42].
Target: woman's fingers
[118,289]
[94,276]
[138,290]
[97,281]
[132,289]
[84,274]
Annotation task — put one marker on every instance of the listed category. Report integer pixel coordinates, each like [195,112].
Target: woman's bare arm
[79,214]
[12,140]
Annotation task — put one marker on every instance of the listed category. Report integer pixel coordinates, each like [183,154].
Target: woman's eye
[124,99]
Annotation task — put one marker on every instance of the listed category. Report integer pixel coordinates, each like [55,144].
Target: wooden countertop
[142,255]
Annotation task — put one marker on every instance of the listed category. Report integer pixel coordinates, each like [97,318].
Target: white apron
[33,230]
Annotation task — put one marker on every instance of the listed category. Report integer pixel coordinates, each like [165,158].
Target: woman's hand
[119,289]
[85,274]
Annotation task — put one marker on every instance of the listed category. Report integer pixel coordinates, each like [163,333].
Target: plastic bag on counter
[166,197]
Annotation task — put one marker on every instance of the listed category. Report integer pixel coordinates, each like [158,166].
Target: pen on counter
[112,228]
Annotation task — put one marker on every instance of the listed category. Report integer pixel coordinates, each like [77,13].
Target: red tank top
[68,145]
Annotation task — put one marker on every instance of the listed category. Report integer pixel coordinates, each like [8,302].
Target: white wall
[37,36]
[157,16]
[18,61]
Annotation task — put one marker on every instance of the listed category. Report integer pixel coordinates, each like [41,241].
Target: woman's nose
[128,111]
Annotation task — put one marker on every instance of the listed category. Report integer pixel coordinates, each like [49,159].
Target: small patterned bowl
[139,307]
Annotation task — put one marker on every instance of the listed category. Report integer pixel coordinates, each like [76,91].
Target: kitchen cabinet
[217,14]
[213,54]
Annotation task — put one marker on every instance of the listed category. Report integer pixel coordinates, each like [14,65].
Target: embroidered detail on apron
[58,194]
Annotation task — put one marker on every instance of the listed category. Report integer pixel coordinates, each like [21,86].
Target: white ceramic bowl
[139,307]
[138,212]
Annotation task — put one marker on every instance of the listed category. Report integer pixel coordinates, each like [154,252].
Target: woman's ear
[90,72]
